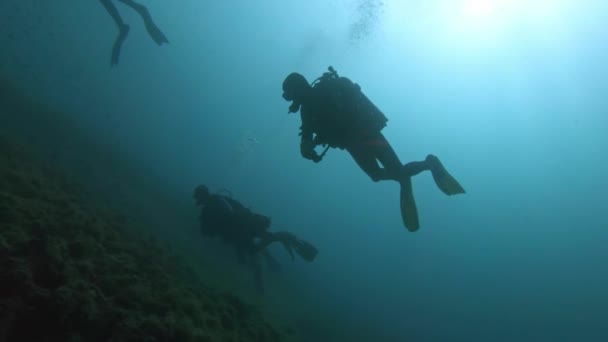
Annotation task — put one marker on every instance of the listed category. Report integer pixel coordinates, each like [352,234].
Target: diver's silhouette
[335,113]
[123,29]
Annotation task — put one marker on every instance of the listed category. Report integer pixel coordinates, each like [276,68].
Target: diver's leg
[257,273]
[153,30]
[388,158]
[264,239]
[113,11]
[139,8]
[365,157]
[445,182]
[383,151]
[413,168]
[123,30]
[394,170]
[369,152]
[272,263]
[240,255]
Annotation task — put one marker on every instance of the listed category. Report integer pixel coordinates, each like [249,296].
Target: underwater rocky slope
[72,269]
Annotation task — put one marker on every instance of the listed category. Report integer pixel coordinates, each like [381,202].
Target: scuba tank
[352,109]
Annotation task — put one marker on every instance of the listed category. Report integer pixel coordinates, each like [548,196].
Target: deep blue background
[513,102]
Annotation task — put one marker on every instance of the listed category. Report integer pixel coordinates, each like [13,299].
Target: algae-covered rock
[71,272]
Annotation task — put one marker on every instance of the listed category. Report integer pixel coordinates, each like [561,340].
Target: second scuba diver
[224,217]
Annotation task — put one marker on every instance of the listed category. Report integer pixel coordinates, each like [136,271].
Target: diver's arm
[307,144]
[307,147]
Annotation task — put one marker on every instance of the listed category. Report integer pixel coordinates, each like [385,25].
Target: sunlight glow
[491,18]
[475,23]
[479,8]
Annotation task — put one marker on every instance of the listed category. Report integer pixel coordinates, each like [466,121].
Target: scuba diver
[123,29]
[224,217]
[335,113]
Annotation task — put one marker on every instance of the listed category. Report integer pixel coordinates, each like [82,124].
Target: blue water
[510,95]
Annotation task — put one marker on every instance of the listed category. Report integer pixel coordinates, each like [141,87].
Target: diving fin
[155,33]
[289,250]
[445,182]
[122,35]
[306,250]
[409,213]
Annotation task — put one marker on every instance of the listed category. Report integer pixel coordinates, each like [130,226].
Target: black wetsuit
[238,226]
[341,116]
[123,29]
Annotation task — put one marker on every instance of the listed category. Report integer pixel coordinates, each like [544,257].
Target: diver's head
[295,88]
[201,194]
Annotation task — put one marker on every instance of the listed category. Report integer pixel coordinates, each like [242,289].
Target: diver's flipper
[306,250]
[122,35]
[445,182]
[152,29]
[409,213]
[155,33]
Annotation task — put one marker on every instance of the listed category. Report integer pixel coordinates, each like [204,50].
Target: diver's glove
[307,149]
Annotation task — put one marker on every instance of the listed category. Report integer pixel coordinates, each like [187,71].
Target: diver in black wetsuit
[123,29]
[224,217]
[335,113]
